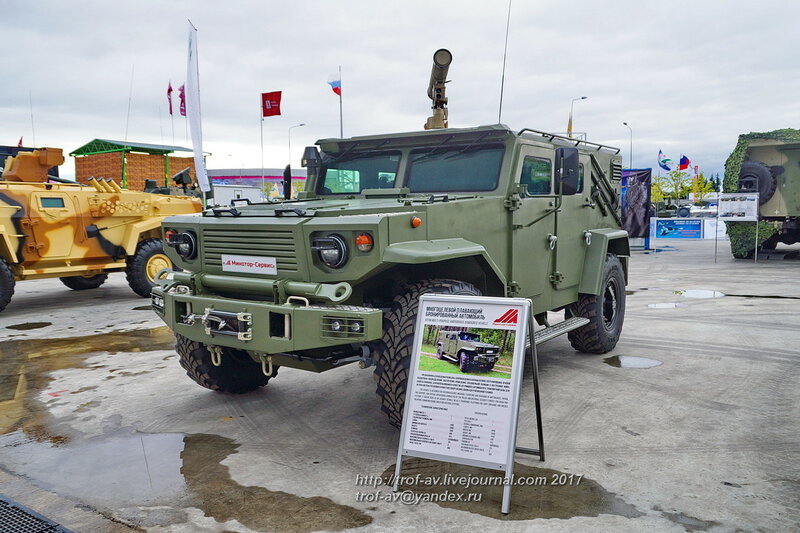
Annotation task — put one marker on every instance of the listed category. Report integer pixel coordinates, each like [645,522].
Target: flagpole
[263,191]
[341,127]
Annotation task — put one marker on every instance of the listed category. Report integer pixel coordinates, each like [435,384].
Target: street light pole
[630,164]
[571,105]
[290,140]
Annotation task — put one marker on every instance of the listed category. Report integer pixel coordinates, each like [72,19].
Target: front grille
[279,244]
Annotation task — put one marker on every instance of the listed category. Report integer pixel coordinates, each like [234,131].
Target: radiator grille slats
[279,244]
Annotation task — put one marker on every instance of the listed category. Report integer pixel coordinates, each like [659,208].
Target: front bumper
[263,326]
[486,359]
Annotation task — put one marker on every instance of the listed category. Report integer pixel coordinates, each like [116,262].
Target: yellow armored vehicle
[78,233]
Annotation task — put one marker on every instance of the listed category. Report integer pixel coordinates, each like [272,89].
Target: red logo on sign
[509,317]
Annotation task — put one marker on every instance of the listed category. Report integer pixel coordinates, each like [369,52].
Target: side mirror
[287,182]
[567,170]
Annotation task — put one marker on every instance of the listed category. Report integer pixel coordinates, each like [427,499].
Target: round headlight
[336,325]
[332,251]
[188,247]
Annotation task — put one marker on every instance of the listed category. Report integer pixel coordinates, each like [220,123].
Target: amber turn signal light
[364,242]
[416,222]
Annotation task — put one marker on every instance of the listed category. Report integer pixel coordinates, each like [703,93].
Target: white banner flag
[193,110]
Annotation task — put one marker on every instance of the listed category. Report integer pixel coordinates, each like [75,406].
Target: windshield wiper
[433,150]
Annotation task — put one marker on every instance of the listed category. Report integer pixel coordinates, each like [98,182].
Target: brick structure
[104,159]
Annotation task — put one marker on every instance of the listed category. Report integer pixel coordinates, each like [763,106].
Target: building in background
[130,163]
[272,183]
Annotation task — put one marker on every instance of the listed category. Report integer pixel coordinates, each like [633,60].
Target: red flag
[19,144]
[182,96]
[169,96]
[270,104]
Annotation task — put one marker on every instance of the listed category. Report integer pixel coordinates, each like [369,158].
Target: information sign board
[466,371]
[679,228]
[740,207]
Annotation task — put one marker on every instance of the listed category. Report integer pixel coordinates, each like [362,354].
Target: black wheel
[440,352]
[143,266]
[605,312]
[81,283]
[683,212]
[237,374]
[463,362]
[392,353]
[755,176]
[6,284]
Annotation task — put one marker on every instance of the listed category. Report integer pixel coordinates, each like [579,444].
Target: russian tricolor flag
[684,163]
[335,81]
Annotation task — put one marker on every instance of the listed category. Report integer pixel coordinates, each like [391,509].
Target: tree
[701,187]
[678,184]
[658,187]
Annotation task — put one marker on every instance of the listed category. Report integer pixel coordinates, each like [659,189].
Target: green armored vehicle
[767,164]
[467,350]
[334,276]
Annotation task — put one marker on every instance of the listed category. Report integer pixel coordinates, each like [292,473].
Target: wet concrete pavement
[100,430]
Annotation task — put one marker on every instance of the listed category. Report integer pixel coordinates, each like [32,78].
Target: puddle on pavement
[25,366]
[143,308]
[630,361]
[29,325]
[699,293]
[666,305]
[128,471]
[689,523]
[542,498]
[770,296]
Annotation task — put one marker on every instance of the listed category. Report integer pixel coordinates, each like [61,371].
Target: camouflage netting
[743,234]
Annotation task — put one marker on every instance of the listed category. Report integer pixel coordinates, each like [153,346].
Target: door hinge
[512,289]
[556,277]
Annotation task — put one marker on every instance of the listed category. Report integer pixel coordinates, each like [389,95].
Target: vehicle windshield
[352,174]
[468,337]
[451,169]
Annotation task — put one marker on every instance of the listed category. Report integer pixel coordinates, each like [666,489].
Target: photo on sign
[483,352]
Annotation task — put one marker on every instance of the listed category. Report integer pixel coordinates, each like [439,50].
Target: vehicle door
[53,223]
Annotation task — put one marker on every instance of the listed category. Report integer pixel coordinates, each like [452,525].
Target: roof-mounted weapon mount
[436,89]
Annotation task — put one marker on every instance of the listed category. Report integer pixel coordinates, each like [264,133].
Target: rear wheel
[440,352]
[237,374]
[392,353]
[143,266]
[606,312]
[81,283]
[6,284]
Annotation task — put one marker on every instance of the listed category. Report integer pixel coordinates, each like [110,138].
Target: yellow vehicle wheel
[143,266]
[156,264]
[81,283]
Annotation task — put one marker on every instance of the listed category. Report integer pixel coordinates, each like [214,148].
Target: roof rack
[575,142]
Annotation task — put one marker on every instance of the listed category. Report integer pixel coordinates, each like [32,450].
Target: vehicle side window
[52,202]
[580,178]
[536,174]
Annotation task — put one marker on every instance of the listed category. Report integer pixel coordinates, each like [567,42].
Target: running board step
[546,334]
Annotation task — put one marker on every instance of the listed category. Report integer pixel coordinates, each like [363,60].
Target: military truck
[467,350]
[77,233]
[334,276]
[768,164]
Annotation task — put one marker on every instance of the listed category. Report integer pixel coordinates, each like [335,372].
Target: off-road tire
[463,362]
[440,352]
[236,375]
[606,312]
[392,354]
[767,183]
[81,283]
[136,271]
[6,284]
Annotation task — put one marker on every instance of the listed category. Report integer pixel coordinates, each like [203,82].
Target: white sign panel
[740,207]
[466,370]
[249,264]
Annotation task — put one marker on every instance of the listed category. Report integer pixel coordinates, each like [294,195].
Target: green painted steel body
[506,242]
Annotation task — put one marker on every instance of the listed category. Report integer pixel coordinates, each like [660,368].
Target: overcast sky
[688,76]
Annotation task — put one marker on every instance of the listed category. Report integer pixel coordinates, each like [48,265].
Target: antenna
[503,77]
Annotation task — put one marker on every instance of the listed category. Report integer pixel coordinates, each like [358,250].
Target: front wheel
[606,312]
[81,283]
[463,362]
[143,266]
[237,374]
[7,283]
[392,353]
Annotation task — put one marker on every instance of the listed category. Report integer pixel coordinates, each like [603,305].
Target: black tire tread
[233,376]
[393,352]
[7,283]
[593,338]
[135,271]
[81,283]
